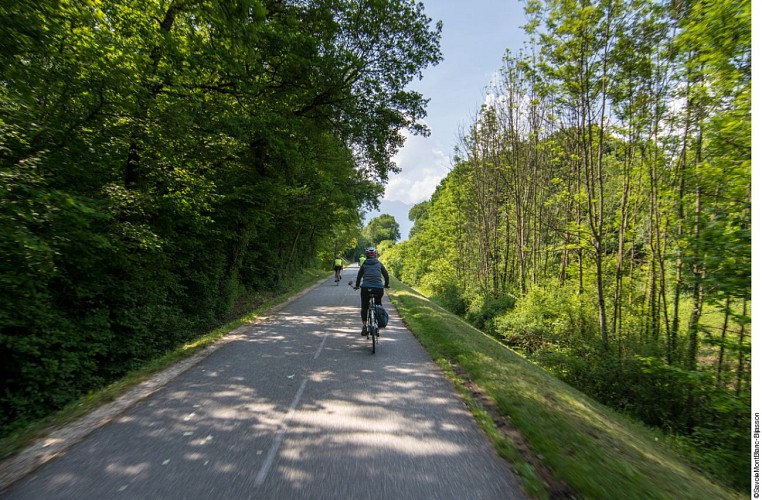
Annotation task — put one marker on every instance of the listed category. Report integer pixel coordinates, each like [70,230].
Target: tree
[161,160]
[382,228]
[418,214]
[623,139]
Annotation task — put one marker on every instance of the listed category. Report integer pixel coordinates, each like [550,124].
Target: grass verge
[260,304]
[562,443]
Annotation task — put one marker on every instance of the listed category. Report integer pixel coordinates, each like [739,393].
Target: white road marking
[279,437]
[325,337]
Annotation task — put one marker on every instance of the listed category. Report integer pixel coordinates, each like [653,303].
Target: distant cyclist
[372,278]
[338,264]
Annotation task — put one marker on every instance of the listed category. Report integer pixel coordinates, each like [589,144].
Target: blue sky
[475,36]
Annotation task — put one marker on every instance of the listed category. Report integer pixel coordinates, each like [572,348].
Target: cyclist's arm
[385,273]
[359,276]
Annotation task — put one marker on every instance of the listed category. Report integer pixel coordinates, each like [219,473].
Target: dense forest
[162,159]
[598,214]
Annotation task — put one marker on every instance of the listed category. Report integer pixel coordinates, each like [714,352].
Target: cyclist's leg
[364,306]
[377,294]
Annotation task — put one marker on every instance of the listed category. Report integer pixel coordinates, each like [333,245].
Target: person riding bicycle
[372,278]
[338,264]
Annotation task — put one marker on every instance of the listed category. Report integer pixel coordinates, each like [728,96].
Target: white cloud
[423,166]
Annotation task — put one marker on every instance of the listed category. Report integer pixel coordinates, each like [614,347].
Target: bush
[451,298]
[482,311]
[548,315]
[710,422]
[441,283]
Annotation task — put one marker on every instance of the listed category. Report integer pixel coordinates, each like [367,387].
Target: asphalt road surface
[296,407]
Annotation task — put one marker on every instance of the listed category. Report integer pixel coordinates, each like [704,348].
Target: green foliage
[596,452]
[440,282]
[546,316]
[382,228]
[482,311]
[384,245]
[607,189]
[161,160]
[545,324]
[418,214]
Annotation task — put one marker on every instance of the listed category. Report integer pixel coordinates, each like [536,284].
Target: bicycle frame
[371,321]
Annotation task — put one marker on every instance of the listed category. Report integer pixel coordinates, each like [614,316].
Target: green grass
[260,304]
[559,440]
[570,442]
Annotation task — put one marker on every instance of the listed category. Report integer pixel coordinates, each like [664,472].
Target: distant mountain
[399,211]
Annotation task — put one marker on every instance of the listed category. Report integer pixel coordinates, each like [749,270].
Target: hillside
[561,442]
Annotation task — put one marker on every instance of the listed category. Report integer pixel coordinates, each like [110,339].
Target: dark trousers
[365,294]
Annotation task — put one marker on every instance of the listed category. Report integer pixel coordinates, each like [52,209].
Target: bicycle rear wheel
[372,325]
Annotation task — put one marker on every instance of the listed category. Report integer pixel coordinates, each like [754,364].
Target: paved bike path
[296,407]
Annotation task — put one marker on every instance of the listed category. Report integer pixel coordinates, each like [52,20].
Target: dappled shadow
[296,408]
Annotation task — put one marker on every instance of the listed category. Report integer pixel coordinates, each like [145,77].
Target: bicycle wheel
[372,324]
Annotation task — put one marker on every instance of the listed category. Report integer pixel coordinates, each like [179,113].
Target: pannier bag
[381,316]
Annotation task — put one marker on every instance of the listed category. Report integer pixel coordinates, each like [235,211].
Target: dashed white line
[325,337]
[279,437]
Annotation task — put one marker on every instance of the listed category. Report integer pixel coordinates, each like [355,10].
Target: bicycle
[372,321]
[336,275]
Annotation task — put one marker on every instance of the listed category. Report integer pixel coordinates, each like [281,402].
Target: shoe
[364,332]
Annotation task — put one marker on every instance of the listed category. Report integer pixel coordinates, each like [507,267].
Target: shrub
[482,311]
[548,315]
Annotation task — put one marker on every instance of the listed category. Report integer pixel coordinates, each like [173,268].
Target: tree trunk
[721,355]
[741,336]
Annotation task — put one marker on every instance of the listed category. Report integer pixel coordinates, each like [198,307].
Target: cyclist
[372,278]
[338,264]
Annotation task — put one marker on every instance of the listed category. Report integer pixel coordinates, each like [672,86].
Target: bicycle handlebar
[352,284]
